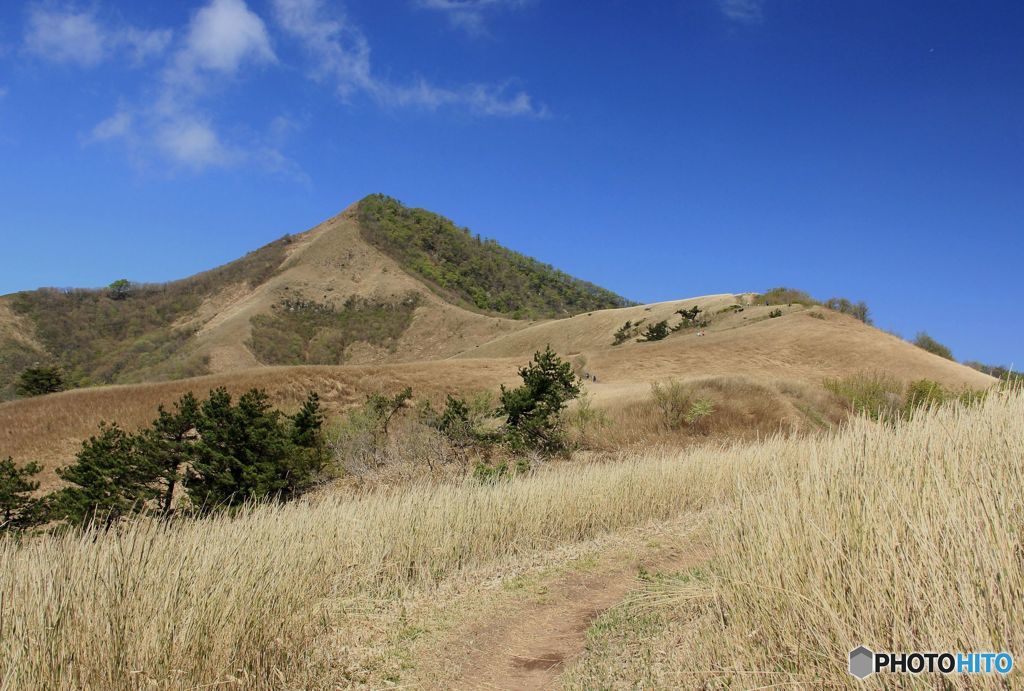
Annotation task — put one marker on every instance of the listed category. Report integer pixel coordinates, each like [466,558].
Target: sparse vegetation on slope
[127,331]
[474,271]
[304,332]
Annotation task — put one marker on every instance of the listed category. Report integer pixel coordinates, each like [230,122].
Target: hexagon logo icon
[862,662]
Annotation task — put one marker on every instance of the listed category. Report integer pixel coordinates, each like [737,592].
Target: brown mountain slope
[329,264]
[380,282]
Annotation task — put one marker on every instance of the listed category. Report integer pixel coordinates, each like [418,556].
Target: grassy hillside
[473,271]
[98,337]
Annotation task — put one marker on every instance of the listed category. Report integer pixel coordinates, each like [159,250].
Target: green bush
[926,342]
[857,310]
[222,452]
[924,393]
[998,371]
[18,509]
[40,380]
[655,332]
[775,313]
[688,319]
[533,410]
[249,450]
[627,331]
[678,406]
[876,395]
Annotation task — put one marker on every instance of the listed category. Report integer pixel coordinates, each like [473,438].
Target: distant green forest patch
[473,271]
[304,332]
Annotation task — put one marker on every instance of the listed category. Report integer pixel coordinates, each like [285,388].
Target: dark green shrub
[121,289]
[18,509]
[250,451]
[533,410]
[110,478]
[168,444]
[40,380]
[775,313]
[926,342]
[627,331]
[655,332]
[689,320]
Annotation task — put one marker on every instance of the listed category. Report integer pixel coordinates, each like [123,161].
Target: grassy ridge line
[473,271]
[899,537]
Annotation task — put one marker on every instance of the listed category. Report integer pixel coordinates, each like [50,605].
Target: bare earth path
[529,645]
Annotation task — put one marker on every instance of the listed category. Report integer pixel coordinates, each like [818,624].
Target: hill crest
[376,283]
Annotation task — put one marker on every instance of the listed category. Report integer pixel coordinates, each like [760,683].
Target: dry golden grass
[744,408]
[902,536]
[899,537]
[199,603]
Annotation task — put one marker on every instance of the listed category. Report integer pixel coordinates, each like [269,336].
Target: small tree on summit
[121,289]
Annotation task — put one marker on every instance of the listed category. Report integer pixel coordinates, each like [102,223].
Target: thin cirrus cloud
[80,38]
[469,15]
[341,53]
[743,11]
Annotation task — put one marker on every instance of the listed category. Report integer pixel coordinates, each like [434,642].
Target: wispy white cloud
[3,92]
[222,38]
[192,141]
[64,35]
[341,54]
[117,126]
[743,11]
[469,15]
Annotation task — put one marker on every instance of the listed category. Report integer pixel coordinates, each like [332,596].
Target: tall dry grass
[900,536]
[191,603]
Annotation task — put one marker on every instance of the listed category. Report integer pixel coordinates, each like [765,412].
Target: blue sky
[867,149]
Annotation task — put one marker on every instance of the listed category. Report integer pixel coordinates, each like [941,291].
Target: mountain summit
[380,282]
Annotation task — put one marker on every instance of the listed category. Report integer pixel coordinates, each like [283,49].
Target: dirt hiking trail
[528,648]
